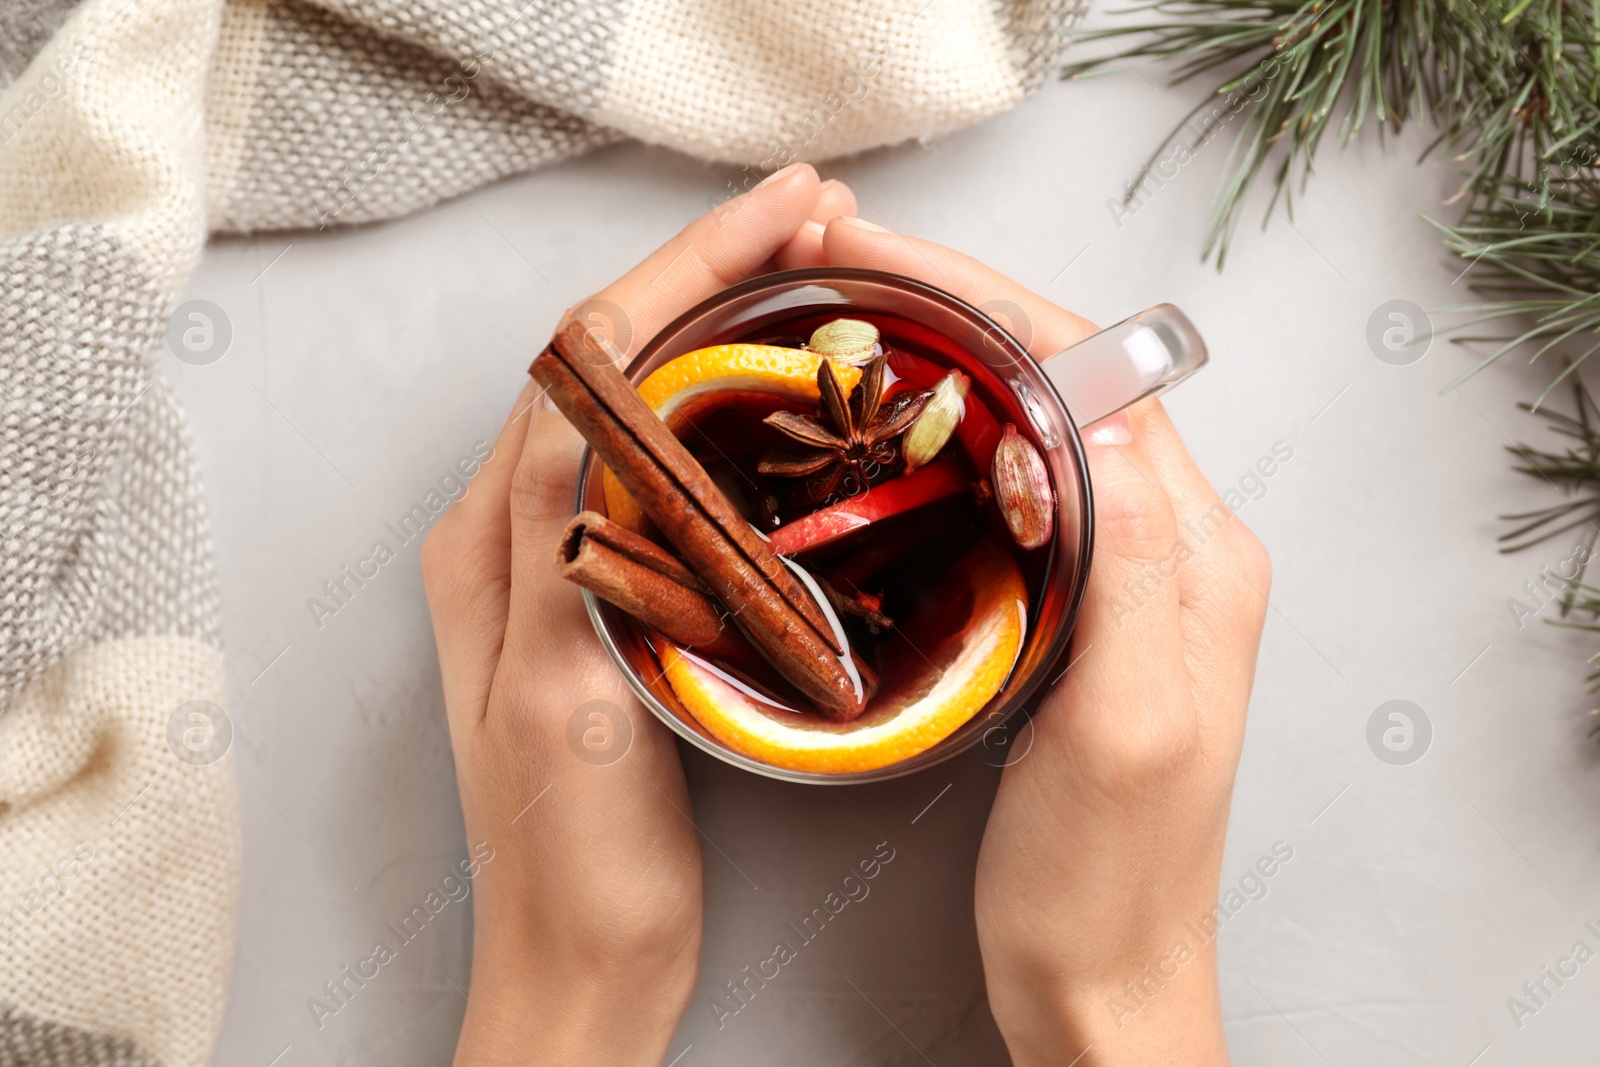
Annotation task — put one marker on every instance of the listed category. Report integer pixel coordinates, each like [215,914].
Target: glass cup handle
[1122,364]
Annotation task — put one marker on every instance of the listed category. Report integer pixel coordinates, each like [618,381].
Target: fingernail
[779,175]
[813,227]
[1112,430]
[862,224]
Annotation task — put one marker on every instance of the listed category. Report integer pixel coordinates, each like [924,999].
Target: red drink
[907,546]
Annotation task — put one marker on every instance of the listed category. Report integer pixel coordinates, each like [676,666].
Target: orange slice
[683,387]
[968,671]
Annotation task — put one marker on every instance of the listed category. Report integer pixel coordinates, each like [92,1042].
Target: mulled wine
[902,484]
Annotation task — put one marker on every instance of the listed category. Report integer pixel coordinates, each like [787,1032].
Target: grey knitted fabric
[132,129]
[98,542]
[377,149]
[554,53]
[25,25]
[28,1042]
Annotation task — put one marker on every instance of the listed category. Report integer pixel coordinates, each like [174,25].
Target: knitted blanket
[130,130]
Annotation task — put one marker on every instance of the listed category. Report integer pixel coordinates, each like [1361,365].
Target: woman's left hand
[588,910]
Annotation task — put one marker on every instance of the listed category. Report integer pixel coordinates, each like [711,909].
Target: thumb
[1128,685]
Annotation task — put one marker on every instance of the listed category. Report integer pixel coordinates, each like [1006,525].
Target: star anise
[858,445]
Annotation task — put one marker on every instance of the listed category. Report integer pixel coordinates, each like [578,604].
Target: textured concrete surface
[1418,899]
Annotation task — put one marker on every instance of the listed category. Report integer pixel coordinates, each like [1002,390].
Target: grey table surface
[1419,898]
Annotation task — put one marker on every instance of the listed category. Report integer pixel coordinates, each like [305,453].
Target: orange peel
[968,673]
[682,387]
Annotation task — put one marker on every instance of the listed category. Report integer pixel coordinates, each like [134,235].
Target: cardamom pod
[849,341]
[1022,489]
[937,422]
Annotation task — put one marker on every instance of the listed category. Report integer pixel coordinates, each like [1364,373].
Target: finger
[483,506]
[1131,598]
[727,244]
[545,611]
[1225,577]
[804,249]
[1041,326]
[466,567]
[1208,524]
[1125,701]
[834,198]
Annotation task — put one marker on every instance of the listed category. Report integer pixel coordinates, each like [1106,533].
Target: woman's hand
[1105,841]
[587,918]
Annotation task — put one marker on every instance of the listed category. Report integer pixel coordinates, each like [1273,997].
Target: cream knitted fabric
[129,131]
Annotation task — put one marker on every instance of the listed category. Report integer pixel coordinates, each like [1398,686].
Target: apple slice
[940,479]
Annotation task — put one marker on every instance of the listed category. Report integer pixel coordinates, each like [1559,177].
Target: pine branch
[1584,599]
[1575,469]
[1511,88]
[1534,258]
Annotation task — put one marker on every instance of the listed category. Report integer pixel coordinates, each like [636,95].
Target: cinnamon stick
[770,603]
[635,574]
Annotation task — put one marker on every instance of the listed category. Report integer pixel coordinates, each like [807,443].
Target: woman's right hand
[1106,840]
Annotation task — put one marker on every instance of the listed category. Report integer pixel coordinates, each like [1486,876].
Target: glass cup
[1100,375]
